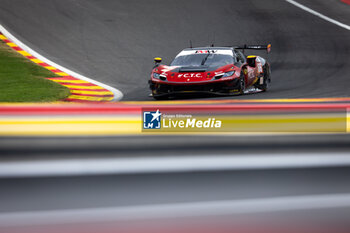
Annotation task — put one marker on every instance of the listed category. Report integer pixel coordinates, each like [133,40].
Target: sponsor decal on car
[206,51]
[221,51]
[190,75]
[260,69]
[251,74]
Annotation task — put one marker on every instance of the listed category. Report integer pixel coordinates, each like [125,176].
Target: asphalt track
[114,42]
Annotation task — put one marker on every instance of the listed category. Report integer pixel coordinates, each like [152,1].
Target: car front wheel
[241,87]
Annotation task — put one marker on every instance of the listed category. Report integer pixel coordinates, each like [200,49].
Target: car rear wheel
[266,80]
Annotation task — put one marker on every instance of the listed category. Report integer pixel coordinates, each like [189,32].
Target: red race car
[215,70]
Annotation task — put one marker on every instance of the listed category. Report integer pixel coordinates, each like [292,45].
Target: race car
[214,70]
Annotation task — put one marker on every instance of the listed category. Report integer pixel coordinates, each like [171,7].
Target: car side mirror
[157,60]
[251,60]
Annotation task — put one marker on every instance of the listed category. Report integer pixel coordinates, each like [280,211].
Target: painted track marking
[345,26]
[73,77]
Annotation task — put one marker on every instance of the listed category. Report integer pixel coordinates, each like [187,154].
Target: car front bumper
[219,88]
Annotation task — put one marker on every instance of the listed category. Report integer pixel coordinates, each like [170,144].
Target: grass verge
[23,81]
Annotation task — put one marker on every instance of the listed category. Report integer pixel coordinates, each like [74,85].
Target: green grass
[23,81]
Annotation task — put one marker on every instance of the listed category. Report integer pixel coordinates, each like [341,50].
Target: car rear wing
[255,47]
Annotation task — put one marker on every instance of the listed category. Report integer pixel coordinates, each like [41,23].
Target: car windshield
[203,59]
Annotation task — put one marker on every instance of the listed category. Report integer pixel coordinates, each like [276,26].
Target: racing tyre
[241,87]
[267,80]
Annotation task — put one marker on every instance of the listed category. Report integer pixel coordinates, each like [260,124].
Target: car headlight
[223,75]
[229,74]
[156,75]
[159,76]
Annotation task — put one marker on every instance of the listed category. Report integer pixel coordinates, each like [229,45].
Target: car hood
[192,73]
